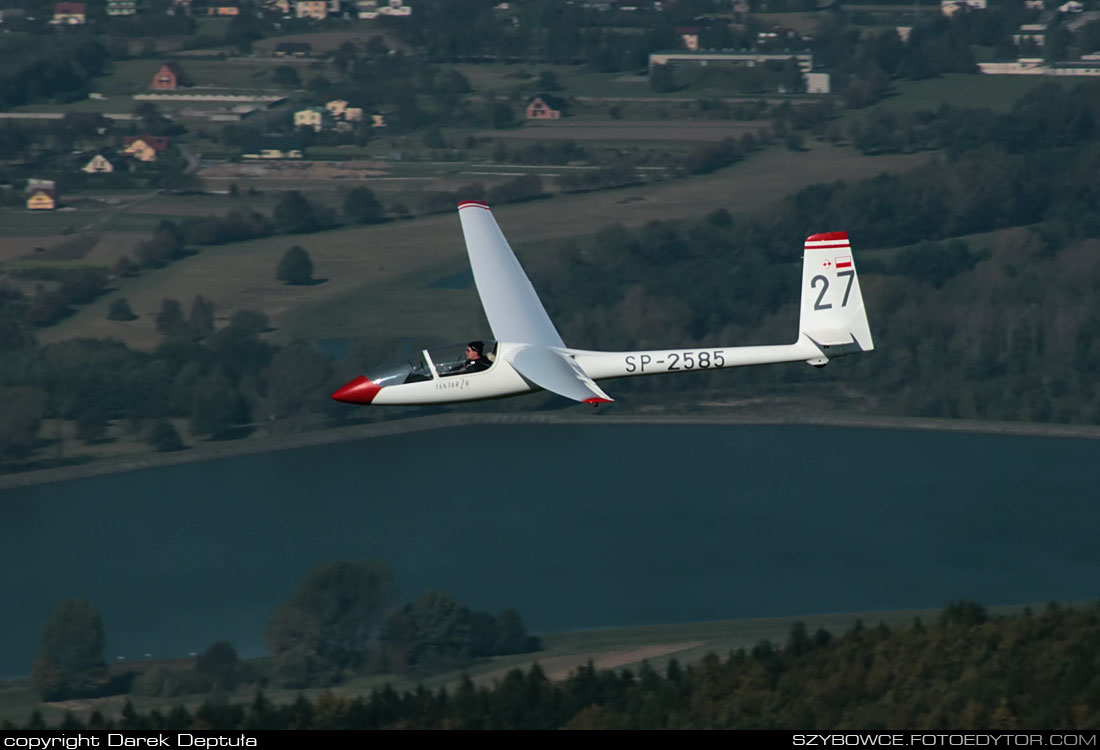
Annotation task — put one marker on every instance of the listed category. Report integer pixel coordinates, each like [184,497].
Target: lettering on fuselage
[448,384]
[675,361]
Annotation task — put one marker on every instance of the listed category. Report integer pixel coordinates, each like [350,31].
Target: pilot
[476,361]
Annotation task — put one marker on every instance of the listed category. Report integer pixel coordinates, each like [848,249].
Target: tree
[548,81]
[120,310]
[170,320]
[286,76]
[91,425]
[295,214]
[70,658]
[661,79]
[295,267]
[23,408]
[333,613]
[164,438]
[217,666]
[201,320]
[296,378]
[361,207]
[218,405]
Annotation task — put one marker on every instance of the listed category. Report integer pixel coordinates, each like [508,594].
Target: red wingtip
[479,204]
[359,391]
[827,237]
[595,400]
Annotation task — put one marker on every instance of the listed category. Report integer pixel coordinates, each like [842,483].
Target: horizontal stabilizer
[558,373]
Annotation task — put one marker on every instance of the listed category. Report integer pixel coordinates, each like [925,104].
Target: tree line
[343,619]
[965,670]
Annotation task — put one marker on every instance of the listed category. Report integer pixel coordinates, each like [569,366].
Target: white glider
[528,354]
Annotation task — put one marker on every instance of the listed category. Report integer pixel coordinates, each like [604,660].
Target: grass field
[562,653]
[997,93]
[377,276]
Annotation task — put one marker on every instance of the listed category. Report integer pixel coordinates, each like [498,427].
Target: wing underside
[557,372]
[511,305]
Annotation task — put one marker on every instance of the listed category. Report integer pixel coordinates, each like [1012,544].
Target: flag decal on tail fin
[844,262]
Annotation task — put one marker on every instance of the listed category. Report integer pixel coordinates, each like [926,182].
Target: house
[144,147]
[336,107]
[353,114]
[1035,33]
[282,6]
[168,77]
[293,49]
[316,9]
[71,14]
[1071,7]
[121,7]
[690,37]
[817,83]
[377,121]
[98,165]
[41,195]
[372,9]
[546,107]
[951,7]
[395,8]
[223,10]
[314,117]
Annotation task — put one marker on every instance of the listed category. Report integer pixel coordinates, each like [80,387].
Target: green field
[380,273]
[997,93]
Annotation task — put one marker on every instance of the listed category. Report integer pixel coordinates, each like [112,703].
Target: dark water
[574,526]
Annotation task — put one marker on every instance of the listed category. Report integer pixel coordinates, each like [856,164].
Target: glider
[527,353]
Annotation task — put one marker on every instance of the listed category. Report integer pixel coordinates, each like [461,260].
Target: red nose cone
[358,391]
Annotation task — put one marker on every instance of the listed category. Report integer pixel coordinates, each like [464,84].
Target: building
[275,153]
[951,7]
[121,7]
[546,107]
[1033,33]
[144,147]
[168,77]
[730,57]
[41,195]
[293,49]
[314,117]
[353,114]
[373,8]
[1034,66]
[377,121]
[69,14]
[223,10]
[336,107]
[817,83]
[98,165]
[690,36]
[316,9]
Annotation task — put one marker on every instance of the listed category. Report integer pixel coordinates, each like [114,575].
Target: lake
[574,526]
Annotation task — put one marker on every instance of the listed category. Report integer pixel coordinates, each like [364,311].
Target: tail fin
[832,315]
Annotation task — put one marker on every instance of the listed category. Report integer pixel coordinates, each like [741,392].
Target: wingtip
[594,401]
[468,204]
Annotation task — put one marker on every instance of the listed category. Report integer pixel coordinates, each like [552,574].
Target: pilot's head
[475,350]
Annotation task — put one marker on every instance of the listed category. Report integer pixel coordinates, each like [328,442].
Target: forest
[965,670]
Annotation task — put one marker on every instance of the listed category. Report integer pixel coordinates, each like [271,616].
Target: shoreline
[457,419]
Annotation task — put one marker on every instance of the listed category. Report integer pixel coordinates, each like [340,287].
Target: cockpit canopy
[445,360]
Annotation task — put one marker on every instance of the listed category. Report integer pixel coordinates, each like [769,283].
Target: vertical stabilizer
[832,315]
